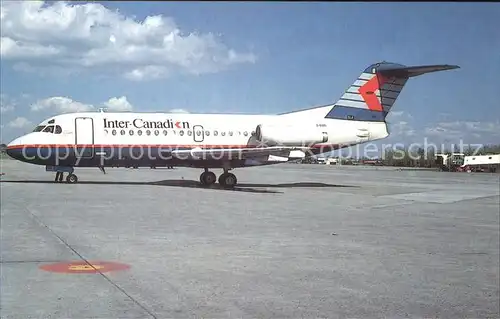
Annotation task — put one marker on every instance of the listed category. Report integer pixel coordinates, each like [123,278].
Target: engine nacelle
[283,134]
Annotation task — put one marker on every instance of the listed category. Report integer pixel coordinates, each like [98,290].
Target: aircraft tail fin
[372,95]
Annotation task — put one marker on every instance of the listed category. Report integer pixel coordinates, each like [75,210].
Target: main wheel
[227,180]
[207,178]
[71,178]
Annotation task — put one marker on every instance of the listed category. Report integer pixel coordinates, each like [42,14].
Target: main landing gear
[226,179]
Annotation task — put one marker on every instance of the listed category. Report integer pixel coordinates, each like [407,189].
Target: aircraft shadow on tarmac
[244,187]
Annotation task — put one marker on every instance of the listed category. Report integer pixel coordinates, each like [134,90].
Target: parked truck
[458,162]
[482,163]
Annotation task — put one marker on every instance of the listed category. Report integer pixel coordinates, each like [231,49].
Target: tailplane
[372,95]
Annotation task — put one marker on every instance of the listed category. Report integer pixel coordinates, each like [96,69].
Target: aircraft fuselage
[148,139]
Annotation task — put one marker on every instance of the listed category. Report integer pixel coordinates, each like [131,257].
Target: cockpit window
[39,128]
[56,129]
[49,129]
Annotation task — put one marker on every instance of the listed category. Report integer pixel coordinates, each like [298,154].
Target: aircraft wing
[237,153]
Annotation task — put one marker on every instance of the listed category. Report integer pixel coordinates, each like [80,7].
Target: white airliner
[227,141]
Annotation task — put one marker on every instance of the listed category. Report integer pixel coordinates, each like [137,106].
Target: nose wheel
[71,178]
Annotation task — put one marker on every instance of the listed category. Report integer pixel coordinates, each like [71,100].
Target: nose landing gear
[71,178]
[60,170]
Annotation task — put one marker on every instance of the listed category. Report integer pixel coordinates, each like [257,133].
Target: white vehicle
[226,141]
[489,163]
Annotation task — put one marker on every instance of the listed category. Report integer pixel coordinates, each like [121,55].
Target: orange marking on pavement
[82,267]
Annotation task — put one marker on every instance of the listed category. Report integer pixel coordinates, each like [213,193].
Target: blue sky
[262,58]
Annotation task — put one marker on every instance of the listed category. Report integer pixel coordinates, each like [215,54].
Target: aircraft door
[198,133]
[84,137]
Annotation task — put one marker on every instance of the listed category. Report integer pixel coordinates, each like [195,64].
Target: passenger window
[139,132]
[113,132]
[131,132]
[207,133]
[165,132]
[148,132]
[58,129]
[245,133]
[216,133]
[189,133]
[230,133]
[157,132]
[181,133]
[223,133]
[49,129]
[122,132]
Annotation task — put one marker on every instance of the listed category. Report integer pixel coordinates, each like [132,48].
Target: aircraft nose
[14,148]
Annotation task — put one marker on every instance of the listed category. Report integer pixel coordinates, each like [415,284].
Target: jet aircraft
[217,141]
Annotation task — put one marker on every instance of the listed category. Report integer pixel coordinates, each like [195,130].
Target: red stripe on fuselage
[148,145]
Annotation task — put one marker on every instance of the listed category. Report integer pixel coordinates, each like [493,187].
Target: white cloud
[20,122]
[118,104]
[6,103]
[468,132]
[395,114]
[464,129]
[68,105]
[399,123]
[61,104]
[403,128]
[178,111]
[6,108]
[149,72]
[81,36]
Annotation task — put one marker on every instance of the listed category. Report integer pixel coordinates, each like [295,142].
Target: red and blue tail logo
[372,95]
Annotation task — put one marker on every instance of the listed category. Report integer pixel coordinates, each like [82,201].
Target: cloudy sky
[249,58]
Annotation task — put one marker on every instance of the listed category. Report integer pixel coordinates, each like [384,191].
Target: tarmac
[291,241]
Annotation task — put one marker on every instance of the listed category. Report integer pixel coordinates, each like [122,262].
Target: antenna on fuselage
[102,109]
